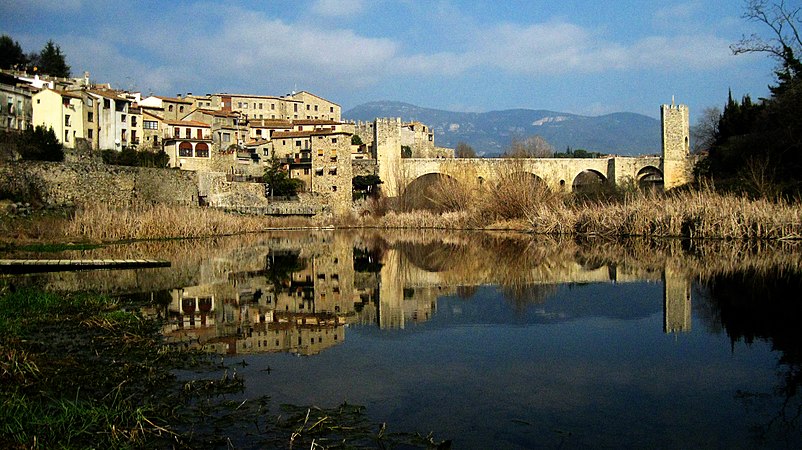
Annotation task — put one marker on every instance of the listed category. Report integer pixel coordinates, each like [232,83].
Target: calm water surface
[495,341]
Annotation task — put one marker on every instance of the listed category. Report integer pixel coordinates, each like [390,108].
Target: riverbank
[85,371]
[686,214]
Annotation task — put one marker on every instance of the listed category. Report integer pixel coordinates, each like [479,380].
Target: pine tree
[11,54]
[51,61]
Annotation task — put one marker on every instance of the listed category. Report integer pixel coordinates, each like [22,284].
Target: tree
[365,185]
[406,151]
[52,62]
[530,147]
[11,55]
[783,23]
[464,150]
[705,131]
[356,140]
[278,181]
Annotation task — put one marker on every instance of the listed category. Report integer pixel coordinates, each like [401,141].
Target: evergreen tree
[52,62]
[11,54]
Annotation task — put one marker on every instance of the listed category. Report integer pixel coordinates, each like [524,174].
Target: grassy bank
[514,206]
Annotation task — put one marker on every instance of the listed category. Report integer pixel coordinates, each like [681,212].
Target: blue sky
[577,56]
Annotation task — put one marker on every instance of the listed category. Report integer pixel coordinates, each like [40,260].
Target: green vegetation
[278,181]
[36,144]
[757,147]
[78,371]
[356,140]
[365,186]
[406,151]
[49,61]
[131,157]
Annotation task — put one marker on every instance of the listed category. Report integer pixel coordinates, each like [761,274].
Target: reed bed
[102,223]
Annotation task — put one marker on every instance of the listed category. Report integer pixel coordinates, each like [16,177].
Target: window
[90,117]
[66,136]
[90,134]
[176,132]
[185,149]
[307,107]
[333,140]
[272,106]
[334,189]
[254,105]
[180,109]
[123,136]
[170,108]
[331,109]
[201,150]
[260,106]
[297,143]
[315,107]
[149,125]
[226,137]
[295,109]
[259,133]
[67,121]
[122,118]
[188,133]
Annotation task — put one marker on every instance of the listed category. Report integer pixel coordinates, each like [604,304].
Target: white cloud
[678,12]
[338,8]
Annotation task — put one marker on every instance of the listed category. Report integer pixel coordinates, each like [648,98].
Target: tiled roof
[187,123]
[270,123]
[174,99]
[295,134]
[316,122]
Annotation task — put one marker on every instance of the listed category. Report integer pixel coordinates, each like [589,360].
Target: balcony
[167,136]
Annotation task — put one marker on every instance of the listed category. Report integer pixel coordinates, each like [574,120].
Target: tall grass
[102,223]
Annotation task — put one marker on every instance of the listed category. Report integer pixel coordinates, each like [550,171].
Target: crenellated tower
[676,145]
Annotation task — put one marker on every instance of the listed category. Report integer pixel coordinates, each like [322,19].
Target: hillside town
[239,135]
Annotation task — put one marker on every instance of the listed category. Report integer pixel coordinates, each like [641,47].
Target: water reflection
[538,330]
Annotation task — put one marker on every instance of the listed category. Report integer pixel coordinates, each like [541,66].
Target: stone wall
[82,183]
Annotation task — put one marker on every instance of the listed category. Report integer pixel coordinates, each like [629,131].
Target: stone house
[16,111]
[315,107]
[188,144]
[174,108]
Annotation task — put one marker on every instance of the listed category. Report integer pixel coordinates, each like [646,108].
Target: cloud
[676,12]
[338,8]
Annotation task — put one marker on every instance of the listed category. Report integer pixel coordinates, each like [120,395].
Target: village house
[16,111]
[61,111]
[118,123]
[188,144]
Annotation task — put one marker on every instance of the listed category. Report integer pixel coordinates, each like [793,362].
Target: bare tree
[530,147]
[464,150]
[783,20]
[705,130]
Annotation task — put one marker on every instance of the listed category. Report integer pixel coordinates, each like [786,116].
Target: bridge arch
[588,181]
[433,191]
[650,178]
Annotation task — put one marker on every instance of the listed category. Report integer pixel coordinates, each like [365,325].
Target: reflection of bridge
[669,170]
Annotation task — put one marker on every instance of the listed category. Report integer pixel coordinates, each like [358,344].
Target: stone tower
[387,147]
[676,145]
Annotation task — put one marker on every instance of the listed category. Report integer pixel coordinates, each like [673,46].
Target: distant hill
[490,133]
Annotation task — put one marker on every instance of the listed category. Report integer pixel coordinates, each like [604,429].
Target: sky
[588,57]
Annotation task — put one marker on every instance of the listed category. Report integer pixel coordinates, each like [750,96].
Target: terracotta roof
[108,94]
[269,97]
[270,123]
[294,134]
[187,123]
[145,112]
[174,99]
[217,112]
[71,94]
[316,122]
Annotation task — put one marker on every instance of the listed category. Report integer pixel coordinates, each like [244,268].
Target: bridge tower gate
[676,145]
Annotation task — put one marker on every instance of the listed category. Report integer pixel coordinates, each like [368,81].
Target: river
[492,340]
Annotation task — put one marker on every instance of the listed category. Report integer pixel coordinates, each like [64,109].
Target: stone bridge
[404,176]
[559,174]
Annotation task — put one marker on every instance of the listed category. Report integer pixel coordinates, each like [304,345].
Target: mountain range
[490,133]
